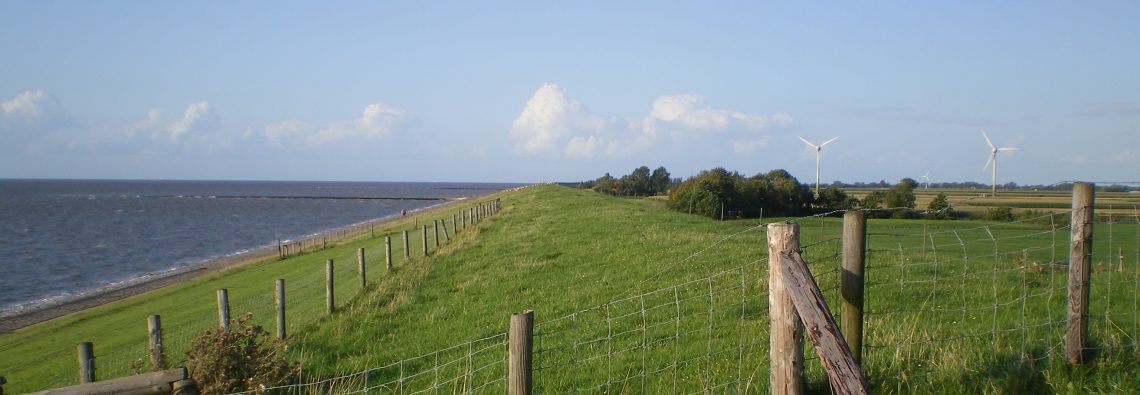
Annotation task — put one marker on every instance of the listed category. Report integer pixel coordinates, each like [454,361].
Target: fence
[294,298]
[963,306]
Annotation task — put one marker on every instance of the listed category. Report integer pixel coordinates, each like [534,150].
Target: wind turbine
[993,160]
[817,150]
[927,178]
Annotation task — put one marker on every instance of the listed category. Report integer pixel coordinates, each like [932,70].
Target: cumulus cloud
[198,117]
[30,114]
[377,121]
[551,123]
[690,113]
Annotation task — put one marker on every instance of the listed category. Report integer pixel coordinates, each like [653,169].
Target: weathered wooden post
[454,225]
[360,267]
[154,342]
[279,301]
[519,353]
[435,229]
[463,217]
[786,352]
[388,252]
[423,235]
[407,249]
[86,360]
[851,281]
[1080,260]
[224,309]
[330,303]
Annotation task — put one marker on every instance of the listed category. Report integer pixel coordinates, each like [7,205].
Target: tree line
[720,193]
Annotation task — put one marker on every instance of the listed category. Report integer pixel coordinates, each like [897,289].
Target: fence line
[256,300]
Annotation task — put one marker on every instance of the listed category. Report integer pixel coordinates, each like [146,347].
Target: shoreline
[141,284]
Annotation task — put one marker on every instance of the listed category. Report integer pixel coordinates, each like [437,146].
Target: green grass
[630,297]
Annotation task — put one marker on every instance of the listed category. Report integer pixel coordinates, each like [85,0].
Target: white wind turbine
[817,148]
[927,178]
[993,160]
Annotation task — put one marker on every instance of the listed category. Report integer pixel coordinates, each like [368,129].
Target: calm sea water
[59,238]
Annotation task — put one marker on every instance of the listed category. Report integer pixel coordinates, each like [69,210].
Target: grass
[630,297]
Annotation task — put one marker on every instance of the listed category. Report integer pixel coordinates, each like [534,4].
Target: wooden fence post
[851,281]
[1080,260]
[154,342]
[446,237]
[360,268]
[86,362]
[454,225]
[279,301]
[330,303]
[463,217]
[407,248]
[519,353]
[388,252]
[224,309]
[786,352]
[435,229]
[423,235]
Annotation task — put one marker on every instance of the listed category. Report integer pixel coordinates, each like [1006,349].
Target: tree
[659,181]
[834,199]
[940,208]
[872,201]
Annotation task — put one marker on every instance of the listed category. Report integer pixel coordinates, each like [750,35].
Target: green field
[631,297]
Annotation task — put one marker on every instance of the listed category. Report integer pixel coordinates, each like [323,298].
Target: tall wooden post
[330,302]
[224,309]
[86,359]
[435,229]
[360,267]
[519,353]
[443,223]
[786,352]
[1080,260]
[454,225]
[154,342]
[279,300]
[407,247]
[463,216]
[851,281]
[388,252]
[423,235]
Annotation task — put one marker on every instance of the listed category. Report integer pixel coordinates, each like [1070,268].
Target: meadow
[631,297]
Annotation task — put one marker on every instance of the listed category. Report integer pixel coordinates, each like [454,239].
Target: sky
[567,91]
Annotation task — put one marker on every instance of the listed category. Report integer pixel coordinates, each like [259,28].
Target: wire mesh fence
[118,355]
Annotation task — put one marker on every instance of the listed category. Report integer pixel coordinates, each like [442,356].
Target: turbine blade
[1007,149]
[989,160]
[828,141]
[988,142]
[807,142]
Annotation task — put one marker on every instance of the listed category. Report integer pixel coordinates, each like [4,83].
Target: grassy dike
[560,251]
[43,356]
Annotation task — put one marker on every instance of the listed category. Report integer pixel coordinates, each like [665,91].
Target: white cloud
[551,123]
[150,125]
[376,122]
[31,113]
[198,117]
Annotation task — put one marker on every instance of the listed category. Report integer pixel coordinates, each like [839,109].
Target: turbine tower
[927,178]
[817,149]
[993,160]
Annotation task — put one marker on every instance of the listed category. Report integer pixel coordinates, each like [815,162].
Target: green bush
[243,358]
[1000,214]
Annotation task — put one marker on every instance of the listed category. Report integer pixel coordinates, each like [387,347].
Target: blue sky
[537,91]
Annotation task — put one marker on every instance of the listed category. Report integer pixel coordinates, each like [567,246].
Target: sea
[62,239]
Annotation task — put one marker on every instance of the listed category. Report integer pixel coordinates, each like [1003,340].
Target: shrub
[1000,214]
[245,357]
